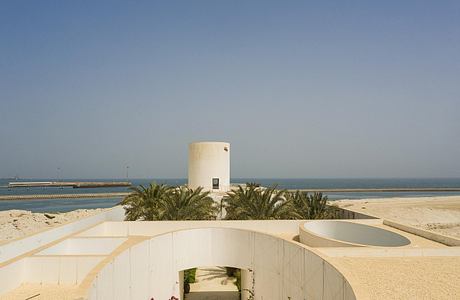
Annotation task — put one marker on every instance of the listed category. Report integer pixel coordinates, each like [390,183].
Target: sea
[64,205]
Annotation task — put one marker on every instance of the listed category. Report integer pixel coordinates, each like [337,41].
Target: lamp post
[58,171]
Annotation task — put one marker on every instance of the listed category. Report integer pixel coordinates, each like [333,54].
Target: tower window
[215,183]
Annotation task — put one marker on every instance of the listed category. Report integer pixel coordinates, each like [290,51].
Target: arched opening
[279,268]
[216,283]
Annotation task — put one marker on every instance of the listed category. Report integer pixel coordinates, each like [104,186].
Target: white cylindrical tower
[209,166]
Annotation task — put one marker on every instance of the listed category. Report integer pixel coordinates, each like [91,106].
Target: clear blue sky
[299,88]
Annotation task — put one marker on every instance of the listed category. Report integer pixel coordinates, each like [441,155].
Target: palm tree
[144,202]
[310,206]
[254,203]
[187,204]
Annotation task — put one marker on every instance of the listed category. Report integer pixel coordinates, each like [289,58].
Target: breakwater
[74,184]
[124,194]
[63,196]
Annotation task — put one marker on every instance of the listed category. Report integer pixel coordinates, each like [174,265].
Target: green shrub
[189,275]
[237,275]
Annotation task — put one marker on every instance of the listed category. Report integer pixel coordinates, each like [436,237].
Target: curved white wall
[208,160]
[327,233]
[282,269]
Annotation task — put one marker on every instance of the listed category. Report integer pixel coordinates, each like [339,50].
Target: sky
[301,89]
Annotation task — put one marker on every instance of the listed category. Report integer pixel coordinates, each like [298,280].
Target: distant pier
[74,184]
[124,194]
[63,196]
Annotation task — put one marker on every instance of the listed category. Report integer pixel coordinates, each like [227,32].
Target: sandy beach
[19,223]
[437,214]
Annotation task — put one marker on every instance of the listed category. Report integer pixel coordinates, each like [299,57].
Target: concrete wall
[84,246]
[11,275]
[20,246]
[282,269]
[208,160]
[14,270]
[153,228]
[343,213]
[434,236]
[68,270]
[246,284]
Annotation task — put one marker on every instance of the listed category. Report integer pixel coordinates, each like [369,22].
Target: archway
[281,269]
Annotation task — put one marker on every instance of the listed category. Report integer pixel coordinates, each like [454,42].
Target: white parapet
[209,166]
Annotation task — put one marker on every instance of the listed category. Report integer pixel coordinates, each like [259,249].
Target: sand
[37,291]
[437,214]
[19,223]
[403,277]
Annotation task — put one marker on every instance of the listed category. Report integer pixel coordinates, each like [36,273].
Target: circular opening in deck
[354,234]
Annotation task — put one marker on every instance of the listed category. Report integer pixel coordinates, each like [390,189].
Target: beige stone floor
[37,291]
[437,214]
